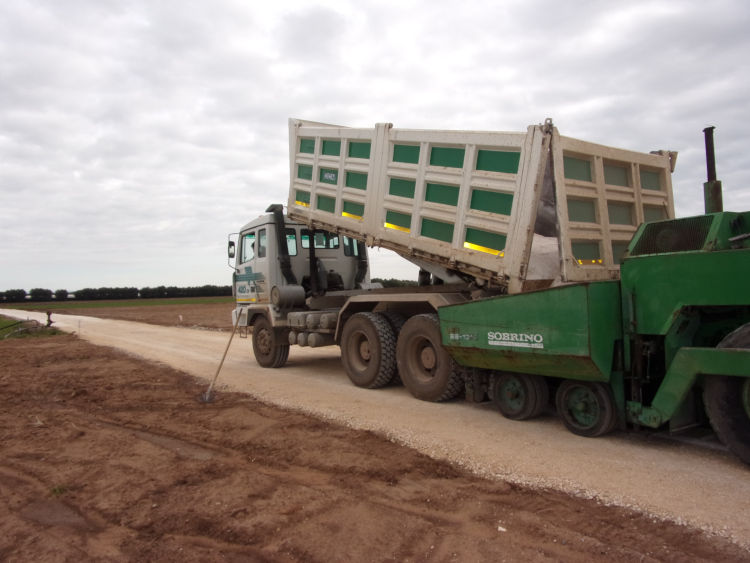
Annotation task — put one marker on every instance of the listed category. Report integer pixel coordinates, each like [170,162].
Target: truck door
[249,278]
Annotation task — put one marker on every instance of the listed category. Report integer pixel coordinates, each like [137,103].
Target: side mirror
[230,249]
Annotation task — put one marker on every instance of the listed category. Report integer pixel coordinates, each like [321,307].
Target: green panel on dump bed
[328,175]
[304,172]
[359,149]
[486,241]
[498,161]
[402,188]
[577,168]
[616,175]
[354,210]
[587,252]
[492,202]
[582,210]
[569,331]
[356,180]
[307,146]
[652,213]
[398,221]
[447,156]
[331,148]
[437,230]
[406,153]
[326,203]
[650,180]
[620,213]
[441,193]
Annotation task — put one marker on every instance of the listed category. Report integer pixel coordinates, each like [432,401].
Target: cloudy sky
[134,136]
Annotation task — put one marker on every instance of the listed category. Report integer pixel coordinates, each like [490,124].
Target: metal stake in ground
[207,397]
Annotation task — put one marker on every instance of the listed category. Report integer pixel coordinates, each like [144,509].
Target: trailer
[552,270]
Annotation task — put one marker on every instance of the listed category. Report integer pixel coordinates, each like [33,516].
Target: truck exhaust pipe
[712,188]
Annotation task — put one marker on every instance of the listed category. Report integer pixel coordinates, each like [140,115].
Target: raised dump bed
[468,202]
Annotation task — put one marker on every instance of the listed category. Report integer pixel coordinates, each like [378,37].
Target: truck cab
[271,256]
[278,265]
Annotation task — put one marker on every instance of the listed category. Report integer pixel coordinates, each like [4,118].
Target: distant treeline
[392,282]
[93,294]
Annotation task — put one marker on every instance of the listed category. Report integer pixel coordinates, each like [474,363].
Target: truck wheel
[368,350]
[269,349]
[587,408]
[520,396]
[397,321]
[426,368]
[727,401]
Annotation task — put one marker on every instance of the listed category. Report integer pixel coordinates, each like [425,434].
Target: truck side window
[262,244]
[350,247]
[291,242]
[248,247]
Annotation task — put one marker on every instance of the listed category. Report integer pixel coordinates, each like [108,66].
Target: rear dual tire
[425,367]
[368,350]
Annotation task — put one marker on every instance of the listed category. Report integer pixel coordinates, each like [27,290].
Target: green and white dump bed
[469,202]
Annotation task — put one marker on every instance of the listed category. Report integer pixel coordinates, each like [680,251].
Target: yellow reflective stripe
[251,300]
[589,262]
[484,249]
[397,228]
[302,203]
[351,215]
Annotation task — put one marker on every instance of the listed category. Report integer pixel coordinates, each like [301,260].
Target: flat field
[109,457]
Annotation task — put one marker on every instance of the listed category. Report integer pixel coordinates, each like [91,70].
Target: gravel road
[700,487]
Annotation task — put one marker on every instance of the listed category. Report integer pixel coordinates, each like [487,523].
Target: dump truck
[552,271]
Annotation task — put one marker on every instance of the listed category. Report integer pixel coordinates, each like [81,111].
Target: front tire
[268,346]
[727,401]
[426,368]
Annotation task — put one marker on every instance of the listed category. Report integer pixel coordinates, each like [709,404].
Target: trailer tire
[426,368]
[270,347]
[368,350]
[587,408]
[727,401]
[519,396]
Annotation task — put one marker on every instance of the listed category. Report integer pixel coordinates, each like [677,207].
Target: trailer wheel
[270,350]
[587,408]
[727,401]
[426,368]
[368,350]
[520,396]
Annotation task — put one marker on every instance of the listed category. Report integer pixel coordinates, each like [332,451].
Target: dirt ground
[108,457]
[213,316]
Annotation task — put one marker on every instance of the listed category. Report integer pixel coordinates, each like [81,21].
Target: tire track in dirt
[707,489]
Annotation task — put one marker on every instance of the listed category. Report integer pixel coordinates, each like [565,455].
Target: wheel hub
[364,350]
[428,358]
[583,407]
[264,341]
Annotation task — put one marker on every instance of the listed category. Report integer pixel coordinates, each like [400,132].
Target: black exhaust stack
[712,188]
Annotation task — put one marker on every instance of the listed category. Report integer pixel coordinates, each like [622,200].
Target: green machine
[666,344]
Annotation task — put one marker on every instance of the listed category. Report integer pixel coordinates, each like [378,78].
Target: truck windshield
[323,239]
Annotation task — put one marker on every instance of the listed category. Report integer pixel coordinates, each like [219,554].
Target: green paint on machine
[563,332]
